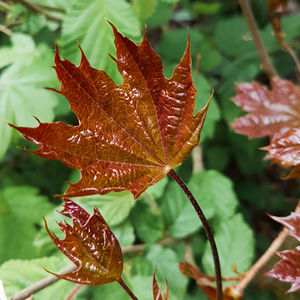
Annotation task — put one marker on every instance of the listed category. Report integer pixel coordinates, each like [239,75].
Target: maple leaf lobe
[90,245]
[128,136]
[271,112]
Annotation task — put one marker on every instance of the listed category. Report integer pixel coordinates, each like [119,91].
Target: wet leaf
[129,136]
[90,245]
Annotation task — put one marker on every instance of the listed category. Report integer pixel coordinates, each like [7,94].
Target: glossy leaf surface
[129,136]
[288,268]
[286,150]
[157,292]
[271,112]
[90,245]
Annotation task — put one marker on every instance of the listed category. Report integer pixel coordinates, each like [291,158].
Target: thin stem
[207,229]
[252,272]
[266,61]
[127,289]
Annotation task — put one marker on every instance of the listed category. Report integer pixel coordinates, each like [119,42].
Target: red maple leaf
[90,245]
[129,136]
[271,112]
[288,268]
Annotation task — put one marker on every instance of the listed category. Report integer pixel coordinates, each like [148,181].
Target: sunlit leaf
[129,136]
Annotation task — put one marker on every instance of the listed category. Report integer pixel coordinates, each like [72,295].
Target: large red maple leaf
[129,136]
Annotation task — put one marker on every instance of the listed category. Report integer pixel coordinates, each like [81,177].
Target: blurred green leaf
[166,261]
[214,191]
[232,36]
[210,57]
[124,233]
[235,243]
[149,226]
[19,274]
[217,158]
[144,8]
[172,45]
[23,213]
[163,12]
[114,206]
[204,91]
[86,23]
[22,93]
[205,8]
[179,216]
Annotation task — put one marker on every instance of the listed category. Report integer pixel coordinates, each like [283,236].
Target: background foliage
[234,189]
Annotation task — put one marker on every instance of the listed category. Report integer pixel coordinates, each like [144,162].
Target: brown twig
[252,272]
[5,5]
[6,30]
[37,286]
[266,61]
[38,10]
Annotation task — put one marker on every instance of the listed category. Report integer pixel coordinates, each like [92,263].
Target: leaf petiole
[127,289]
[207,229]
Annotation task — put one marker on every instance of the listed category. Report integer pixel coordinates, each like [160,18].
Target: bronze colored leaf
[157,294]
[128,136]
[90,245]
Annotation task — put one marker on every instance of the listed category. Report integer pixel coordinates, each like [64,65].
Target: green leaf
[24,211]
[162,14]
[22,51]
[22,93]
[235,243]
[19,274]
[204,91]
[179,215]
[124,233]
[166,261]
[173,43]
[149,226]
[232,36]
[144,8]
[217,158]
[214,191]
[111,291]
[210,58]
[156,191]
[114,206]
[142,287]
[86,23]
[170,1]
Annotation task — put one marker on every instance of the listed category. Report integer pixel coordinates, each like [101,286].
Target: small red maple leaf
[90,245]
[129,136]
[157,292]
[288,268]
